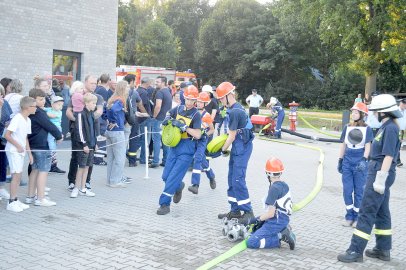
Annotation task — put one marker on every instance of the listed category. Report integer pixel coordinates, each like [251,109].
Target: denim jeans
[115,156]
[156,138]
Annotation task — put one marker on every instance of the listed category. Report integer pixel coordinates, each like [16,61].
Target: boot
[194,189]
[163,210]
[383,255]
[230,215]
[178,194]
[288,237]
[350,256]
[213,183]
[55,169]
[246,217]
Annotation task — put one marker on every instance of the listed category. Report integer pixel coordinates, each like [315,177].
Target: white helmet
[385,103]
[207,88]
[273,101]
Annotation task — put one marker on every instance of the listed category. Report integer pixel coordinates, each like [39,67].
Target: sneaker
[101,138]
[230,215]
[4,194]
[350,256]
[44,202]
[30,200]
[23,205]
[194,189]
[87,186]
[71,186]
[347,223]
[289,237]
[47,189]
[87,193]
[101,163]
[163,210]
[246,217]
[126,180]
[162,164]
[74,193]
[118,185]
[14,207]
[400,164]
[23,183]
[55,169]
[153,165]
[213,183]
[67,135]
[178,194]
[383,255]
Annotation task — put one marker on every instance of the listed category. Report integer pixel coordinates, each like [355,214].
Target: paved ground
[118,229]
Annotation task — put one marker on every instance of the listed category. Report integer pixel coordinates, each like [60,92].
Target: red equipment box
[260,120]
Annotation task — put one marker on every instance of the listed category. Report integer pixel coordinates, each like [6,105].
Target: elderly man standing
[254,101]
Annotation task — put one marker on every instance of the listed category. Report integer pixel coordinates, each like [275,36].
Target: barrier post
[146,152]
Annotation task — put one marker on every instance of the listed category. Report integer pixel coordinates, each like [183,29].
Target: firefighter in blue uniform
[277,108]
[273,225]
[240,136]
[200,163]
[374,208]
[352,163]
[188,120]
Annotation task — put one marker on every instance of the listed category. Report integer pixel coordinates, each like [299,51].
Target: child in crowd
[85,140]
[55,116]
[16,147]
[223,120]
[273,226]
[200,163]
[38,139]
[352,164]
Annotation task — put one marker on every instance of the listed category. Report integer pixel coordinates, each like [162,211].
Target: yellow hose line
[316,129]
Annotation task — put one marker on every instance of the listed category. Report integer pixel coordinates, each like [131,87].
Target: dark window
[66,66]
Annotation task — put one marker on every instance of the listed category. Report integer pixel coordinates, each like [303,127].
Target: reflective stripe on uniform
[262,243]
[231,199]
[362,235]
[167,194]
[348,207]
[131,154]
[383,232]
[356,209]
[243,202]
[196,171]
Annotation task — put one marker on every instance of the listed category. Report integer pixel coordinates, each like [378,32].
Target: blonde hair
[89,97]
[76,86]
[121,93]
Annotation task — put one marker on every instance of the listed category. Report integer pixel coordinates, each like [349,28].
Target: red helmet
[207,118]
[359,106]
[274,165]
[191,92]
[224,89]
[204,97]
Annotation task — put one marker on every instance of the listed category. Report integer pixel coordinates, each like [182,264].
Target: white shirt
[254,101]
[13,100]
[20,128]
[402,121]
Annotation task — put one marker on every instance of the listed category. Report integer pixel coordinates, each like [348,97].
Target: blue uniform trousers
[267,235]
[237,191]
[278,128]
[133,143]
[374,211]
[353,182]
[200,163]
[176,166]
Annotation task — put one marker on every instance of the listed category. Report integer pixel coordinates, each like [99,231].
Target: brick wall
[31,30]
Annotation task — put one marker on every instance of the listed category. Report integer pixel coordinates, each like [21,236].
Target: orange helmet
[274,165]
[204,97]
[191,92]
[207,118]
[359,106]
[224,89]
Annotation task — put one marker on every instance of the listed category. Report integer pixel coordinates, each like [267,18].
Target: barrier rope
[296,207]
[317,130]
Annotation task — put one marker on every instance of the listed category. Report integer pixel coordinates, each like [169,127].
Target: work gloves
[166,120]
[362,165]
[180,125]
[253,220]
[340,165]
[380,180]
[218,153]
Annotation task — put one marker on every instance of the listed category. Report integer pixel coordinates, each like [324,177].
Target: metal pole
[146,152]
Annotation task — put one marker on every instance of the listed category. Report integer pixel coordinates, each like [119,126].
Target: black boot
[289,237]
[350,256]
[163,210]
[230,215]
[178,194]
[213,183]
[194,189]
[383,255]
[245,218]
[55,169]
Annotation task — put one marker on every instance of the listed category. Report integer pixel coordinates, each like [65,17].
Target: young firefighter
[374,208]
[274,223]
[276,107]
[188,120]
[352,163]
[240,136]
[200,163]
[85,139]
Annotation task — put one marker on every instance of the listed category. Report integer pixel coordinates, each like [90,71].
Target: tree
[374,30]
[157,45]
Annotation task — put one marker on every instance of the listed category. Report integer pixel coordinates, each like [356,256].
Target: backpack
[130,116]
